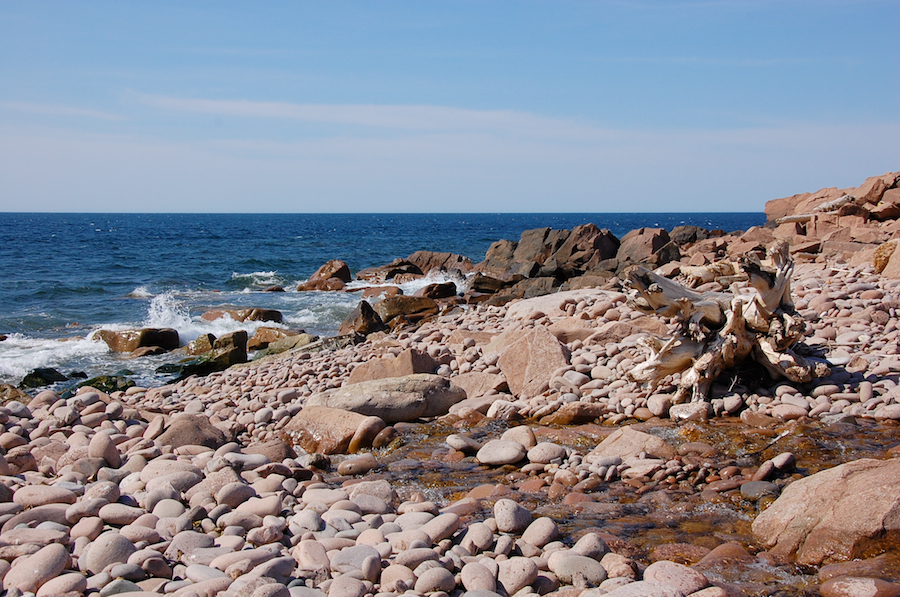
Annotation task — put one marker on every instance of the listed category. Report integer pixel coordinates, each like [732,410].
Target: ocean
[65,276]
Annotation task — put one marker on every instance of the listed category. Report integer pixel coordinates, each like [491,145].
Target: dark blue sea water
[64,276]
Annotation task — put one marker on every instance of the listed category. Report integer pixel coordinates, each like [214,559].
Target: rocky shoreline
[492,442]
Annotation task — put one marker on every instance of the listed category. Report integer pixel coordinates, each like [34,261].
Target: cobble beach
[496,439]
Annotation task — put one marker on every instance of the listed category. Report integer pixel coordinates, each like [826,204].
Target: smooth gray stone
[755,490]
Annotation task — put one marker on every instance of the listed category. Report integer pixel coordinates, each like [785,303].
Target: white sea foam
[20,354]
[140,292]
[258,278]
[320,312]
[463,283]
[169,311]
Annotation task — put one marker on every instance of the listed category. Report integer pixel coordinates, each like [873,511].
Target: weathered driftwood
[796,218]
[835,204]
[695,275]
[721,329]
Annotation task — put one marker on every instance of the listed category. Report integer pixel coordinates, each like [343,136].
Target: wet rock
[499,452]
[847,586]
[627,443]
[203,343]
[427,261]
[363,319]
[834,514]
[405,308]
[756,490]
[249,314]
[877,567]
[398,270]
[330,269]
[294,342]
[575,413]
[325,430]
[131,340]
[40,377]
[438,290]
[262,338]
[676,576]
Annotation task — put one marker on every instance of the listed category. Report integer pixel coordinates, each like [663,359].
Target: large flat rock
[839,514]
[529,361]
[553,305]
[320,429]
[394,399]
[628,443]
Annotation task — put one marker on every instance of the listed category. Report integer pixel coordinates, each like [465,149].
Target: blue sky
[433,106]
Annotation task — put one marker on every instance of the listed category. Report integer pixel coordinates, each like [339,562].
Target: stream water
[680,521]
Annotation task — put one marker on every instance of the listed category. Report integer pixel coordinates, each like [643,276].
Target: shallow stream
[651,521]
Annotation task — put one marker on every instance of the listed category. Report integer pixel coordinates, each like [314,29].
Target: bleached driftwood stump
[719,330]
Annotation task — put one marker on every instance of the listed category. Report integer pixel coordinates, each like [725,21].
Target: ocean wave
[169,311]
[20,354]
[324,315]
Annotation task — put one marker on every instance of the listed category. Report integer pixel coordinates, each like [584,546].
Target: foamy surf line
[20,355]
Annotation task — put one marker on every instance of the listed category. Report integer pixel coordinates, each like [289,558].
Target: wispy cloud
[406,118]
[57,110]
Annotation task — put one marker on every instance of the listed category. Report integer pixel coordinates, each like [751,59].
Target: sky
[442,106]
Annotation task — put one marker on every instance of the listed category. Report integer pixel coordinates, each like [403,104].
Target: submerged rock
[42,376]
